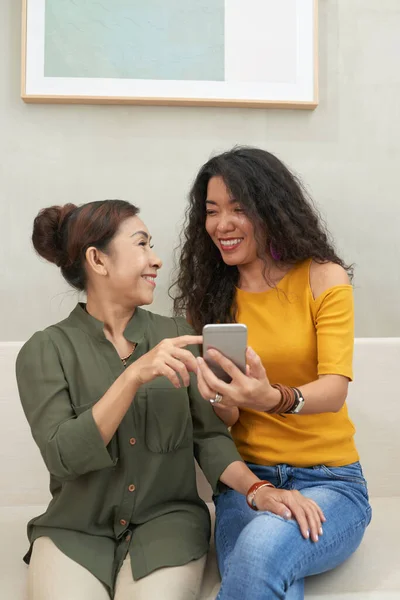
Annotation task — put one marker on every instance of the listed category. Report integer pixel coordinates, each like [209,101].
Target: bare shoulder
[326,275]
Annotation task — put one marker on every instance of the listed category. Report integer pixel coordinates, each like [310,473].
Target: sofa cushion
[373,572]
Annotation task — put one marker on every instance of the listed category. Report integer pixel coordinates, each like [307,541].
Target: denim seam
[344,478]
[280,478]
[224,539]
[226,571]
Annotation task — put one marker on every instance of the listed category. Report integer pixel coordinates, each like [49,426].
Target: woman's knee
[54,576]
[261,557]
[265,542]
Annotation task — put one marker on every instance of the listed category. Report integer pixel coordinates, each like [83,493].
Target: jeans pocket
[348,473]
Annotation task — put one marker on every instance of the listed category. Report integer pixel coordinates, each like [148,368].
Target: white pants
[54,576]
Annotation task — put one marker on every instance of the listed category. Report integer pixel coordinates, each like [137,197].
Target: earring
[275,255]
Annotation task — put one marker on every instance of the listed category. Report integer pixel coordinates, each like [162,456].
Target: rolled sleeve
[70,444]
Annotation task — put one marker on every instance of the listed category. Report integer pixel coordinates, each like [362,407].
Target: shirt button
[132,441]
[132,488]
[123,522]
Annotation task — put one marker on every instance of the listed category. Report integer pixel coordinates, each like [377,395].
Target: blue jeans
[263,557]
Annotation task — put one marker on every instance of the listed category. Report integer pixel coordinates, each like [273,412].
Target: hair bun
[47,235]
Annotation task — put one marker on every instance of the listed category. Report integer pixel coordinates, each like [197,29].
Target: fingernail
[286,515]
[321,531]
[316,538]
[199,360]
[251,351]
[308,533]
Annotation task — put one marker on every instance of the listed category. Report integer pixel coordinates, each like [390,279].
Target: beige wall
[347,151]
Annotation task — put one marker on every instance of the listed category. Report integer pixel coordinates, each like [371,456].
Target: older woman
[111,400]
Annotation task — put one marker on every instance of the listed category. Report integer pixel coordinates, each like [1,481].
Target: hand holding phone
[253,391]
[231,340]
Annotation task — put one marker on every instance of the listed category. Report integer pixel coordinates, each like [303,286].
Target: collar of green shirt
[134,331]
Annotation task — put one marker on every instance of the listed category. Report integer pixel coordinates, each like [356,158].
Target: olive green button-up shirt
[138,494]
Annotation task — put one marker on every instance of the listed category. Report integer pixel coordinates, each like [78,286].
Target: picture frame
[201,53]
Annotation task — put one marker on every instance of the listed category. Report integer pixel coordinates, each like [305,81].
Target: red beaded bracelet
[253,490]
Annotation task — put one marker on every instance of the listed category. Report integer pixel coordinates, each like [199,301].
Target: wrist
[131,375]
[231,412]
[255,489]
[238,476]
[272,398]
[228,414]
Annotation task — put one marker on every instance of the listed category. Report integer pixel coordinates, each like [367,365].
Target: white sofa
[373,573]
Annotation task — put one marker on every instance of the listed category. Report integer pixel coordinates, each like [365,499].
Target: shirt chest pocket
[162,416]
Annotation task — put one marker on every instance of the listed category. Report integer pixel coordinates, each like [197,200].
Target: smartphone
[231,340]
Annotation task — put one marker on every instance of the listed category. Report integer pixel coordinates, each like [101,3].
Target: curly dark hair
[283,215]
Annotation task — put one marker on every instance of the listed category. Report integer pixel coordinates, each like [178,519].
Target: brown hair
[62,234]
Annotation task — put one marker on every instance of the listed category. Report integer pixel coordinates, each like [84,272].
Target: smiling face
[228,226]
[131,264]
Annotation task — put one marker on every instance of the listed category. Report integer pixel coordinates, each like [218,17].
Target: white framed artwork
[254,53]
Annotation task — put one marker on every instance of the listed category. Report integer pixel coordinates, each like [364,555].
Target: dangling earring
[275,255]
